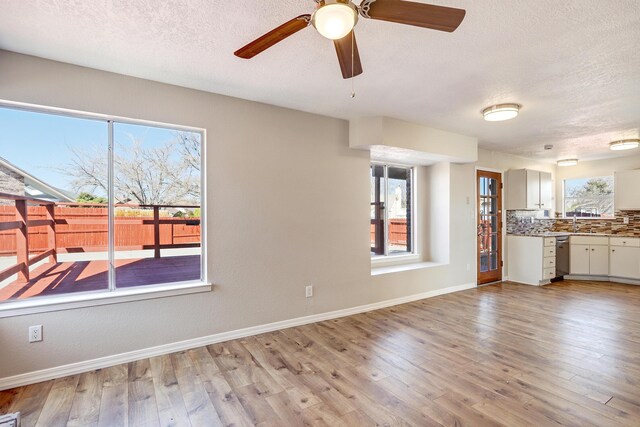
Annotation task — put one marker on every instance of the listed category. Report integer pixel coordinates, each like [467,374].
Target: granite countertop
[541,234]
[560,233]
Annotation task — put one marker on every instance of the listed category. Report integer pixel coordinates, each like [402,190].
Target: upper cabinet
[529,190]
[626,192]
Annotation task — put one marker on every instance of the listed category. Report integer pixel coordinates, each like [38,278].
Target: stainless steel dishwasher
[562,256]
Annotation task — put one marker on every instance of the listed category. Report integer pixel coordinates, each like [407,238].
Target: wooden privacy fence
[397,232]
[47,228]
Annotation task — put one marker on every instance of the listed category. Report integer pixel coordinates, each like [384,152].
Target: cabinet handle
[592,250]
[613,250]
[586,249]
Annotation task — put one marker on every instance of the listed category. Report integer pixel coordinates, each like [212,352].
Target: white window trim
[414,255]
[117,295]
[95,298]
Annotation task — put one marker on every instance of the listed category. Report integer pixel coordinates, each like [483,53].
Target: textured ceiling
[573,64]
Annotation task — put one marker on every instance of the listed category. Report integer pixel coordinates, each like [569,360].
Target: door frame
[476,210]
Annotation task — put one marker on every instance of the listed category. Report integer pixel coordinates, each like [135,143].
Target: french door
[489,227]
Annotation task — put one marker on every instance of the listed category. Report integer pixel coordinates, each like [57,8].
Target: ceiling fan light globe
[335,20]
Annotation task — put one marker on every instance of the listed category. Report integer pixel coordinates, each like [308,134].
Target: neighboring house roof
[35,187]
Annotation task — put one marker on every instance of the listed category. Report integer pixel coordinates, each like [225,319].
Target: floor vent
[10,420]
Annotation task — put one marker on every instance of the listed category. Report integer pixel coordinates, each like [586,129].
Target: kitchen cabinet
[624,257]
[589,255]
[529,190]
[626,193]
[531,259]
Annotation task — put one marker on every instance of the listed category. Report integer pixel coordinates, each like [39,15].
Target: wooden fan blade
[419,14]
[272,37]
[344,51]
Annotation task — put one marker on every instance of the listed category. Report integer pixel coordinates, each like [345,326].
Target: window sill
[403,267]
[90,299]
[382,260]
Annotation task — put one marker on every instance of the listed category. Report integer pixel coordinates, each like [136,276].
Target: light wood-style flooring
[512,355]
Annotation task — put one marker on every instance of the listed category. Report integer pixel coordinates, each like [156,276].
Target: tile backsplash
[520,222]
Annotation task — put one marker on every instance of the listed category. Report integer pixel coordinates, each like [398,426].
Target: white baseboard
[603,279]
[116,359]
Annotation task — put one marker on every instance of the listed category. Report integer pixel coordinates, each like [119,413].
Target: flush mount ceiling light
[625,144]
[501,112]
[335,19]
[568,162]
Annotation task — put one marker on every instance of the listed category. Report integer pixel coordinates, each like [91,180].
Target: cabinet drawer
[549,273]
[549,251]
[549,241]
[549,262]
[589,240]
[625,241]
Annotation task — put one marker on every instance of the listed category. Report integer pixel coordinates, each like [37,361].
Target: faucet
[575,224]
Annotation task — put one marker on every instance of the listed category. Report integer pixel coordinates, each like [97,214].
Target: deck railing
[21,226]
[83,227]
[397,232]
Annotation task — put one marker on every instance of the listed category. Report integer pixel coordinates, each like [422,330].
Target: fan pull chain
[353,89]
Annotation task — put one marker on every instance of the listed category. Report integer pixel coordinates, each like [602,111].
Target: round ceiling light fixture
[501,112]
[624,144]
[568,162]
[334,19]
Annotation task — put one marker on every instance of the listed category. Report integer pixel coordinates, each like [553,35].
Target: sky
[39,143]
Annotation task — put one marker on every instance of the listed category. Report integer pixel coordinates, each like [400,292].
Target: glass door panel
[489,228]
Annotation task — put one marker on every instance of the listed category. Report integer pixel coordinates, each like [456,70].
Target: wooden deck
[501,355]
[80,276]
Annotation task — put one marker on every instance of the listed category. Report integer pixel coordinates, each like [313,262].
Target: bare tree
[595,197]
[190,144]
[167,174]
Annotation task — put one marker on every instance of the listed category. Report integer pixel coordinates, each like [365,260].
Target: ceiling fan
[335,19]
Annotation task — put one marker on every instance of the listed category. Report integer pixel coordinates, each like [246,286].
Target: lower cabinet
[531,259]
[599,260]
[589,255]
[579,259]
[624,257]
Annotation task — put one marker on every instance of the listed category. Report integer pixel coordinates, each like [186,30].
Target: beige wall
[272,228]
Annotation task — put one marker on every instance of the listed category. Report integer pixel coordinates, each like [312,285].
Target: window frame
[412,255]
[114,294]
[579,218]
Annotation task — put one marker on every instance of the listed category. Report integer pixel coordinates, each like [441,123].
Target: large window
[92,205]
[589,197]
[391,210]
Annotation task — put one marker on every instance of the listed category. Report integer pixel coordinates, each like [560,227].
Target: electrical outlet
[468,267]
[625,220]
[308,291]
[35,333]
